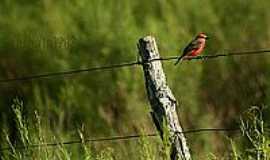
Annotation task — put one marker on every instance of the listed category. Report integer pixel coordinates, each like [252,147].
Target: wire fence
[117,66]
[129,64]
[118,138]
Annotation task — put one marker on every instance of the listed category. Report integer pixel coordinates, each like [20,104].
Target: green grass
[254,136]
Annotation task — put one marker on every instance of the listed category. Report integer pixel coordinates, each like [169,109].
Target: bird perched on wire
[194,48]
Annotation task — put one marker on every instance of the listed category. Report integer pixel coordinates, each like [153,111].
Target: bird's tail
[179,60]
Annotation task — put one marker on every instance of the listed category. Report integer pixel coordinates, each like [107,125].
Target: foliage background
[97,32]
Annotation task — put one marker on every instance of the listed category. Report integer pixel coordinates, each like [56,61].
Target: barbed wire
[128,64]
[65,73]
[206,57]
[118,138]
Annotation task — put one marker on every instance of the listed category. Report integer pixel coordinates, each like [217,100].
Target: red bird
[194,48]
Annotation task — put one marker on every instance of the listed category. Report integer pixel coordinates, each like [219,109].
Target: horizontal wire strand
[119,138]
[64,73]
[127,64]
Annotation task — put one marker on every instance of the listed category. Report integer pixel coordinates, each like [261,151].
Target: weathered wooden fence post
[162,101]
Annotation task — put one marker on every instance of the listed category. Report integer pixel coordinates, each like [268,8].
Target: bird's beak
[206,37]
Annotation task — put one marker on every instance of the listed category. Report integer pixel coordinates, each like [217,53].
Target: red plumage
[194,48]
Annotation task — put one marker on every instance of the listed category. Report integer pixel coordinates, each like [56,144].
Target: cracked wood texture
[163,103]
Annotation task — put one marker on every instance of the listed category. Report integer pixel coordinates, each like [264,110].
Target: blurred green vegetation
[47,36]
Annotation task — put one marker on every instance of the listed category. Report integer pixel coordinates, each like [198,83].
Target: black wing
[195,44]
